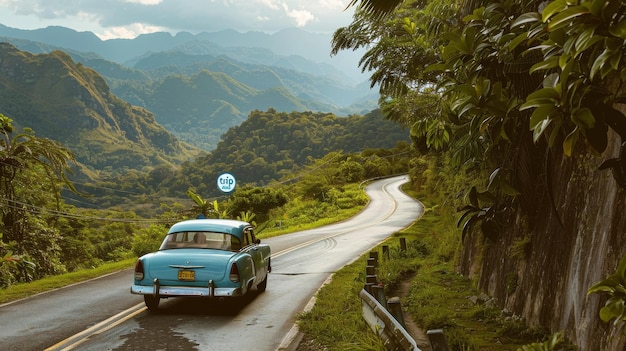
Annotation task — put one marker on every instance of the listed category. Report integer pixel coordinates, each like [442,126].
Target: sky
[128,18]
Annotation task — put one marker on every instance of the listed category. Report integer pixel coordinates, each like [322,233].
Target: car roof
[229,226]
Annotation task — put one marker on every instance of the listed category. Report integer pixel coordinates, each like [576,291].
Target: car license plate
[186,275]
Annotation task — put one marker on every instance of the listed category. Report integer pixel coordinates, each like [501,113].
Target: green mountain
[68,102]
[269,144]
[199,116]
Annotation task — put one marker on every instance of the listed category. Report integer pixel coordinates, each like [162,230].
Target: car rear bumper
[165,291]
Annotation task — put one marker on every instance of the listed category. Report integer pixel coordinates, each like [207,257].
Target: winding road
[101,314]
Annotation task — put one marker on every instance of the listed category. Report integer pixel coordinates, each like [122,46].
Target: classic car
[211,258]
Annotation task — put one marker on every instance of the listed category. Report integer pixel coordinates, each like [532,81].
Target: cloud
[301,17]
[270,4]
[129,31]
[108,18]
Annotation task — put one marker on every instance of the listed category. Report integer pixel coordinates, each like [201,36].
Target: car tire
[152,302]
[263,286]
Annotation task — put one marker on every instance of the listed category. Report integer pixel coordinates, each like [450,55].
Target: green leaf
[553,7]
[545,93]
[517,40]
[600,62]
[586,39]
[529,17]
[540,128]
[596,7]
[541,114]
[564,18]
[540,98]
[613,308]
[584,118]
[551,62]
[570,142]
[619,29]
[605,285]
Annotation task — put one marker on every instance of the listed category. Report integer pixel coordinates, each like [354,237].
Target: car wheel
[263,286]
[152,302]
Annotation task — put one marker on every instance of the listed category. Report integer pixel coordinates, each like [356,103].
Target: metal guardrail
[386,318]
[385,325]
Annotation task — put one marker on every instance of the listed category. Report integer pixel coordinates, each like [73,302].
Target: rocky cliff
[545,260]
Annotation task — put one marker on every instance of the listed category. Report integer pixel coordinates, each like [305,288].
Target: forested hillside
[522,105]
[72,104]
[271,146]
[159,72]
[118,143]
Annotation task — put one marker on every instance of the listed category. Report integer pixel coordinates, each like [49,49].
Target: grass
[23,290]
[302,214]
[438,298]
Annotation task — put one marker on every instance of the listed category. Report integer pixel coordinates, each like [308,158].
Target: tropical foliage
[512,84]
[32,170]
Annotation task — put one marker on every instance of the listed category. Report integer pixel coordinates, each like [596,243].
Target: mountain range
[198,86]
[70,103]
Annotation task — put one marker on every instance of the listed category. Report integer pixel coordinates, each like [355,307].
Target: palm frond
[376,8]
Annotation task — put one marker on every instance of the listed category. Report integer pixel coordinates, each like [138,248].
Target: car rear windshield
[201,240]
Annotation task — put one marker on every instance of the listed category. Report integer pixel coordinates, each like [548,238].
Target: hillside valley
[200,85]
[70,103]
[116,142]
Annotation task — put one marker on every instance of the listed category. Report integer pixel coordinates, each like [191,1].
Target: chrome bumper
[165,291]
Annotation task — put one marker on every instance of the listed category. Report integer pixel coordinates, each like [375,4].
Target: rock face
[544,262]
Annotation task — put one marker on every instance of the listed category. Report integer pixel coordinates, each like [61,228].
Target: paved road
[102,315]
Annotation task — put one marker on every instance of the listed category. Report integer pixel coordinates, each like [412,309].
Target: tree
[257,201]
[519,81]
[31,172]
[206,208]
[18,154]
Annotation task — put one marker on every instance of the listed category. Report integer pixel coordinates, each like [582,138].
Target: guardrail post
[403,244]
[437,340]
[395,308]
[370,279]
[386,252]
[378,292]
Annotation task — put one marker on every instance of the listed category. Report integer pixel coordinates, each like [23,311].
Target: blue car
[212,258]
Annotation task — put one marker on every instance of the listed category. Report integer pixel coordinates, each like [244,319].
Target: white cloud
[129,31]
[271,4]
[301,17]
[338,5]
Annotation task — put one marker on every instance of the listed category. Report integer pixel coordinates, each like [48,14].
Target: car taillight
[139,270]
[234,273]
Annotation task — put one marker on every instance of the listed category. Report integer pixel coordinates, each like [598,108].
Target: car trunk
[206,264]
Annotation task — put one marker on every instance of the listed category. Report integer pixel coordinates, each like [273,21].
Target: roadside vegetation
[438,297]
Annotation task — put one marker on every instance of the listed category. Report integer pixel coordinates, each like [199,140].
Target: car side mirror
[257,241]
